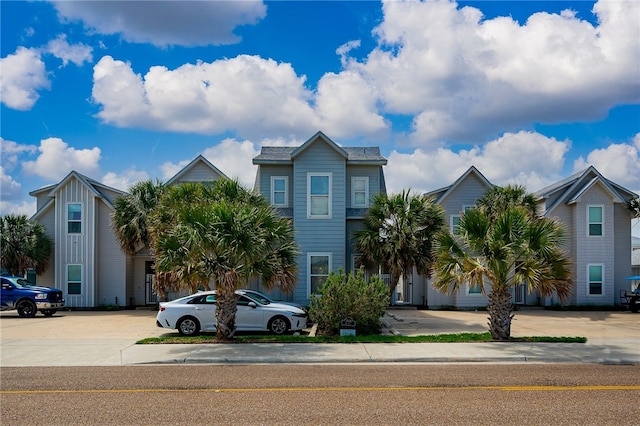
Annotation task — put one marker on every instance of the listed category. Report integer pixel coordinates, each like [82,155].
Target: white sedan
[197,312]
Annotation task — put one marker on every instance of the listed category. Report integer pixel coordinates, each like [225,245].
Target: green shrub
[349,297]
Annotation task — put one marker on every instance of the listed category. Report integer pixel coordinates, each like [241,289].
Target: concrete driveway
[108,338]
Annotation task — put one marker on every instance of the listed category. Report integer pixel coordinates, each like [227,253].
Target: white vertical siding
[76,248]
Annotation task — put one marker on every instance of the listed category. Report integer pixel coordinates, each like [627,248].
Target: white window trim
[329,255]
[451,218]
[67,220]
[66,290]
[353,192]
[601,206]
[286,191]
[330,204]
[588,280]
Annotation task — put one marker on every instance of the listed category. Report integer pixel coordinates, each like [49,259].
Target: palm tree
[398,234]
[224,234]
[24,245]
[130,217]
[499,198]
[497,249]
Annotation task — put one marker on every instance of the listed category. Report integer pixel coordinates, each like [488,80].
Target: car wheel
[278,325]
[27,309]
[188,326]
[48,312]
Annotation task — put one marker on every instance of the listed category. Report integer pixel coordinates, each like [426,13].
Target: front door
[149,278]
[520,294]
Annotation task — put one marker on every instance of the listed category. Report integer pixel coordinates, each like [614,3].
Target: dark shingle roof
[280,154]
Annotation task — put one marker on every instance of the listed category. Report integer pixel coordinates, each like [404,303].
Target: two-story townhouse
[86,259]
[325,190]
[594,211]
[87,262]
[455,199]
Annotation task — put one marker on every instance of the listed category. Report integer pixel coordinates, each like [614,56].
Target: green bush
[349,297]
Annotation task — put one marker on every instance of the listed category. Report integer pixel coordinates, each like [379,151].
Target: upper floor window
[359,192]
[596,281]
[74,218]
[279,191]
[454,222]
[319,195]
[595,219]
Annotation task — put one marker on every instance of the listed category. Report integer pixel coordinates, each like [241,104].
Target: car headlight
[299,315]
[41,296]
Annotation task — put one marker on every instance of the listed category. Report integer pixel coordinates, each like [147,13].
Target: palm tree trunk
[226,308]
[500,313]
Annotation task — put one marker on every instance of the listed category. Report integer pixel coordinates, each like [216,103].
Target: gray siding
[200,172]
[48,278]
[466,193]
[110,261]
[267,172]
[371,172]
[594,250]
[622,249]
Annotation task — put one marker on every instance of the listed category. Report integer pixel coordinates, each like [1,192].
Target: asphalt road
[374,394]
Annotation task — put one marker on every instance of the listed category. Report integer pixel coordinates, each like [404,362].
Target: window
[319,265]
[279,191]
[595,221]
[319,196]
[359,192]
[74,218]
[454,223]
[475,289]
[595,280]
[74,279]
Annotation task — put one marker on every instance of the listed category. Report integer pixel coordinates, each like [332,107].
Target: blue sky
[527,91]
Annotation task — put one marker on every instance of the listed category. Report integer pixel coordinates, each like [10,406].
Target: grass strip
[374,338]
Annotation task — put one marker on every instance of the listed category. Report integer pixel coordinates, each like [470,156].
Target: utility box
[348,327]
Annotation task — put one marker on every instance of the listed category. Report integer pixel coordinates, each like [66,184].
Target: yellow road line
[338,389]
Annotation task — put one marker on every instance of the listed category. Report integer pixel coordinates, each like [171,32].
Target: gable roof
[92,186]
[354,155]
[200,159]
[571,189]
[439,195]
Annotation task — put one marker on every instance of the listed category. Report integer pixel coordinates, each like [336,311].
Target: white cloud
[57,159]
[234,159]
[617,162]
[254,96]
[10,150]
[21,207]
[22,75]
[464,78]
[164,23]
[125,179]
[461,78]
[9,188]
[525,158]
[76,53]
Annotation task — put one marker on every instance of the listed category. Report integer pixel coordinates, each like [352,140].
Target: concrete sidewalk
[108,338]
